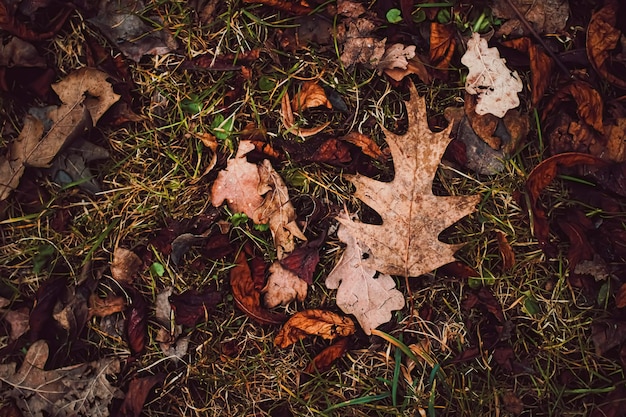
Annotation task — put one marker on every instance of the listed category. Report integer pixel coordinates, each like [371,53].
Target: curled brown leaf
[603,38]
[315,322]
[325,359]
[311,95]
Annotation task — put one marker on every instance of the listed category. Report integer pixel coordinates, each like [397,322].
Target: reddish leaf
[101,307]
[366,144]
[540,177]
[506,251]
[484,298]
[136,323]
[302,262]
[138,391]
[298,8]
[442,45]
[332,151]
[10,409]
[541,65]
[258,270]
[575,225]
[316,322]
[191,306]
[607,334]
[10,23]
[325,359]
[41,321]
[603,43]
[247,298]
[620,297]
[589,104]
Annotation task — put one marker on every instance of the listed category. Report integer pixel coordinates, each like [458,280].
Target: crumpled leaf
[325,359]
[366,144]
[101,307]
[311,95]
[86,95]
[247,298]
[286,113]
[137,323]
[541,65]
[325,324]
[546,17]
[82,390]
[489,78]
[355,34]
[19,322]
[121,23]
[415,66]
[396,56]
[406,243]
[604,40]
[125,265]
[368,297]
[283,287]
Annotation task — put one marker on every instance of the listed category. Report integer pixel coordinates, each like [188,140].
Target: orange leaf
[541,65]
[442,45]
[506,251]
[289,121]
[367,145]
[101,307]
[314,322]
[311,95]
[324,360]
[602,40]
[588,100]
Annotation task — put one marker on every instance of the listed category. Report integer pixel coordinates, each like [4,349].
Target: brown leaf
[302,262]
[325,359]
[620,297]
[603,41]
[484,299]
[19,322]
[10,23]
[247,298]
[415,66]
[541,66]
[138,391]
[546,17]
[41,321]
[331,151]
[506,251]
[484,125]
[19,53]
[298,8]
[82,389]
[192,306]
[101,307]
[540,177]
[289,121]
[125,265]
[359,46]
[366,144]
[607,334]
[512,403]
[283,287]
[136,323]
[311,95]
[396,56]
[325,324]
[10,409]
[442,45]
[406,243]
[589,103]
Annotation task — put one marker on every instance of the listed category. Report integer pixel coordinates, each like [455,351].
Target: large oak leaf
[407,242]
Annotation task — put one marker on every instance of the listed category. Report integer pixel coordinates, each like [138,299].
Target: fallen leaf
[415,66]
[283,287]
[490,79]
[512,403]
[48,294]
[288,120]
[123,24]
[484,125]
[101,307]
[297,8]
[19,322]
[10,409]
[506,251]
[138,391]
[607,334]
[125,265]
[355,35]
[589,103]
[137,323]
[604,42]
[311,95]
[360,292]
[10,23]
[545,17]
[247,298]
[620,297]
[396,56]
[325,324]
[303,261]
[442,45]
[325,359]
[19,53]
[366,144]
[541,65]
[407,242]
[75,390]
[192,306]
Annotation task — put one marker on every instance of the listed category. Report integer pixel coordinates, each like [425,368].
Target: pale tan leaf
[125,265]
[490,79]
[283,287]
[19,322]
[396,56]
[325,324]
[369,298]
[407,242]
[311,95]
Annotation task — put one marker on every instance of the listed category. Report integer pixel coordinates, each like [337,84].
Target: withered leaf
[541,65]
[192,306]
[490,79]
[76,390]
[407,242]
[19,322]
[247,298]
[125,265]
[396,56]
[101,307]
[302,262]
[366,144]
[603,39]
[283,287]
[19,53]
[589,103]
[311,95]
[315,322]
[506,251]
[442,45]
[325,359]
[415,66]
[607,334]
[138,391]
[137,323]
[286,114]
[548,16]
[620,297]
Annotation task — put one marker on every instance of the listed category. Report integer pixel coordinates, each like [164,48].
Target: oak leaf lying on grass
[315,322]
[79,390]
[283,287]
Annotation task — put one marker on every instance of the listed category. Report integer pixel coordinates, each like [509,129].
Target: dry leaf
[620,297]
[541,66]
[589,103]
[366,144]
[489,78]
[414,66]
[19,322]
[19,53]
[396,56]
[138,391]
[125,265]
[286,114]
[325,359]
[506,251]
[283,287]
[325,324]
[311,95]
[604,39]
[442,45]
[355,33]
[75,390]
[102,307]
[247,298]
[546,17]
[368,297]
[406,243]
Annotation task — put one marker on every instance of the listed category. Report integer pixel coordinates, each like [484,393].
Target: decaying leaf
[415,66]
[86,95]
[368,297]
[137,323]
[286,113]
[260,193]
[19,53]
[396,56]
[192,306]
[82,390]
[546,17]
[506,251]
[283,287]
[355,34]
[489,78]
[442,45]
[541,65]
[311,95]
[406,243]
[366,144]
[19,322]
[604,40]
[101,307]
[325,324]
[138,391]
[324,360]
[125,265]
[248,298]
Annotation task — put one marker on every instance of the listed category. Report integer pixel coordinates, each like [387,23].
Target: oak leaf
[369,298]
[283,287]
[396,56]
[489,78]
[406,243]
[325,324]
